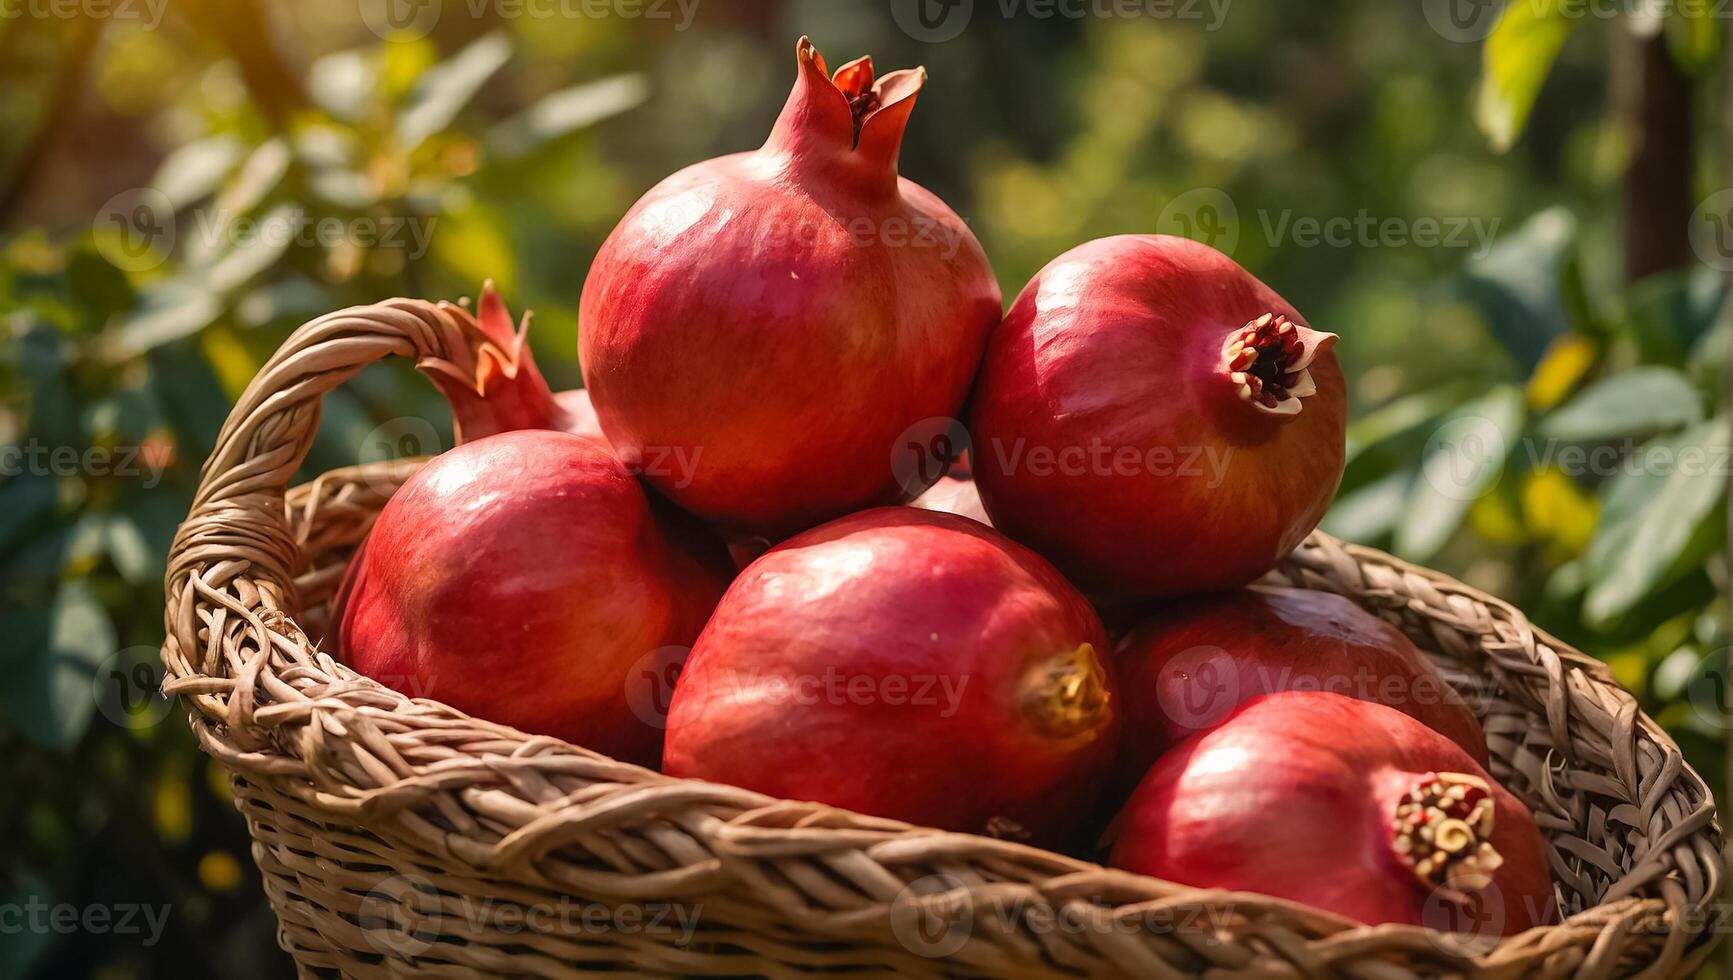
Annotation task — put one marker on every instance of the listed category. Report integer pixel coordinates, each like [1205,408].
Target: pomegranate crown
[1442,832]
[488,375]
[1269,360]
[854,112]
[486,345]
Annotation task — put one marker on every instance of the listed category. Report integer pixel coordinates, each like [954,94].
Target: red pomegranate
[526,578]
[493,384]
[1345,805]
[1190,665]
[904,663]
[771,325]
[1155,420]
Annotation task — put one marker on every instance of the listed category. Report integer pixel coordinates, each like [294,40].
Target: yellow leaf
[1564,364]
[1515,60]
[219,871]
[173,808]
[1493,518]
[217,781]
[229,359]
[406,57]
[1630,669]
[1558,510]
[473,245]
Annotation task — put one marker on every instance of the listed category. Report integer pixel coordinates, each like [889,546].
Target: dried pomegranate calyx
[1066,695]
[1442,833]
[865,92]
[1268,359]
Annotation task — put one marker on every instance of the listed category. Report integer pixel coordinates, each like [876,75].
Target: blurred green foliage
[180,192]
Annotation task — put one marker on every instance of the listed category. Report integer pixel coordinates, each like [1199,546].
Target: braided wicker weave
[398,836]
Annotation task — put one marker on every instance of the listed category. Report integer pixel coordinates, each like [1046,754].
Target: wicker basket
[400,837]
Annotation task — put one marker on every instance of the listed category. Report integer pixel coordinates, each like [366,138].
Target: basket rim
[275,709]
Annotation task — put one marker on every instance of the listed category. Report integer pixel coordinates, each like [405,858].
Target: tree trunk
[1658,184]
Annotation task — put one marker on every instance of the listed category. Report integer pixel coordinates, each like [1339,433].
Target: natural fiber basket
[400,837]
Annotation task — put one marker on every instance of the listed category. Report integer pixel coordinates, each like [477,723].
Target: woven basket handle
[235,550]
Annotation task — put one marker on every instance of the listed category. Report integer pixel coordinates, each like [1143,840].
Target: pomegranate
[1190,665]
[909,664]
[769,325]
[1155,420]
[493,383]
[521,578]
[1346,805]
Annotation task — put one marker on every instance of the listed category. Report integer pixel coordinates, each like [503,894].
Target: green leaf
[1464,459]
[442,91]
[20,947]
[1638,402]
[51,698]
[1659,516]
[1517,284]
[341,83]
[172,309]
[193,172]
[1693,35]
[132,554]
[191,396]
[1515,61]
[1670,312]
[26,501]
[474,244]
[1398,416]
[254,254]
[99,288]
[568,110]
[1366,515]
[214,231]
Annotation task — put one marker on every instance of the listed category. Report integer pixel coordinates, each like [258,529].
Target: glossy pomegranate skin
[782,317]
[1109,435]
[1189,665]
[1294,795]
[918,638]
[519,578]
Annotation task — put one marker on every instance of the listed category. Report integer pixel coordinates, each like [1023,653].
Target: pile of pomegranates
[707,559]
